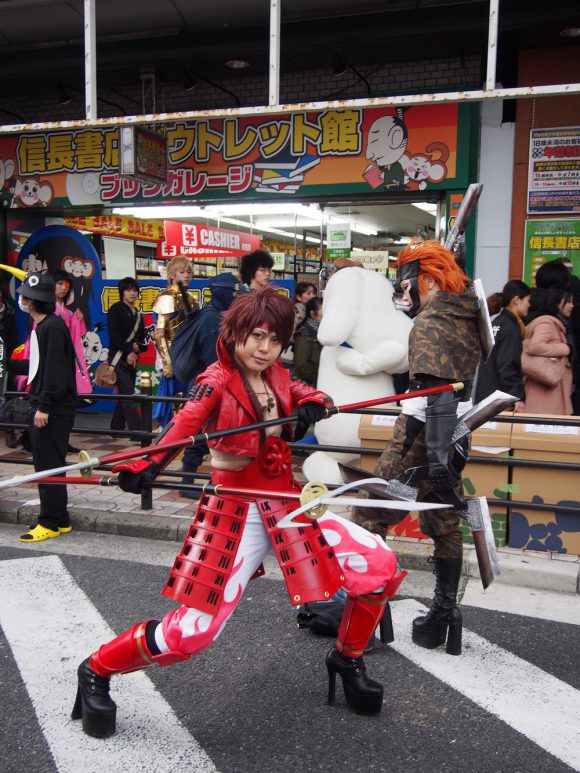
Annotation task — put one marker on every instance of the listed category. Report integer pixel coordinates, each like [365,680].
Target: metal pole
[275,13]
[90,61]
[146,426]
[253,111]
[492,45]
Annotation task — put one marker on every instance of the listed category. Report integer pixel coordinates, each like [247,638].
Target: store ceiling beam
[402,100]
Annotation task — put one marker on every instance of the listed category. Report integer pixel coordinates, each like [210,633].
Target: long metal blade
[482,412]
[388,489]
[18,480]
[333,497]
[483,540]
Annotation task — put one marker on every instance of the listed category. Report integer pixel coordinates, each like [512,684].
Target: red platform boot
[361,616]
[128,652]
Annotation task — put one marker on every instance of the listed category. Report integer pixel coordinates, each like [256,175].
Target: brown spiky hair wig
[437,262]
[251,310]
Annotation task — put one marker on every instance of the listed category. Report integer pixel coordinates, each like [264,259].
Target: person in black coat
[503,368]
[121,321]
[8,331]
[53,398]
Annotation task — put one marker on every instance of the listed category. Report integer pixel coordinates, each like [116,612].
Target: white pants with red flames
[366,562]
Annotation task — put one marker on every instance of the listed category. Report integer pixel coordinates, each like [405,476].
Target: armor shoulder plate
[164,303]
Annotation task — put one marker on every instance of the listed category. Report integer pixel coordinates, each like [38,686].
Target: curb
[539,571]
[168,528]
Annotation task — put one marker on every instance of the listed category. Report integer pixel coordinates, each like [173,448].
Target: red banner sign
[191,239]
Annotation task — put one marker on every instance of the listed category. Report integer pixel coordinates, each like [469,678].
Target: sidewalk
[112,511]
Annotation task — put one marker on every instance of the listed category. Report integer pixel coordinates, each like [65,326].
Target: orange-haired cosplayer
[229,536]
[443,348]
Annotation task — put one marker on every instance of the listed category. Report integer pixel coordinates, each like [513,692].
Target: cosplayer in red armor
[229,537]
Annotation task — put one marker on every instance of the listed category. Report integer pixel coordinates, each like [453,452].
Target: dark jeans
[193,456]
[126,411]
[49,446]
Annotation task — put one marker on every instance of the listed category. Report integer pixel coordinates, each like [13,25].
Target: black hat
[38,287]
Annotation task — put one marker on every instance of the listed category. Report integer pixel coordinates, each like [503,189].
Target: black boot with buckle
[443,621]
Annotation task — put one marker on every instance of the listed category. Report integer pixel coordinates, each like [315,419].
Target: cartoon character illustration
[33,264]
[93,348]
[81,272]
[32,193]
[425,167]
[149,331]
[7,181]
[386,144]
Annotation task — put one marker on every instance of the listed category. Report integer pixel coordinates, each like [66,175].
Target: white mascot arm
[389,356]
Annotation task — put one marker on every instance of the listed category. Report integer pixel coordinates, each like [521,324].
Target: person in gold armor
[171,312]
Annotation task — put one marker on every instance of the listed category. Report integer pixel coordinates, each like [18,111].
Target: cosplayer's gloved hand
[441,418]
[308,413]
[133,475]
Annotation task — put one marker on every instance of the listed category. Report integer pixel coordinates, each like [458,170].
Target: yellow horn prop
[18,272]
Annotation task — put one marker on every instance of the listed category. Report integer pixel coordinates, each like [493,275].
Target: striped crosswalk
[59,627]
[536,704]
[48,620]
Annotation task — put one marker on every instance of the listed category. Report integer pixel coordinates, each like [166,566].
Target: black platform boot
[443,620]
[93,703]
[363,695]
[126,653]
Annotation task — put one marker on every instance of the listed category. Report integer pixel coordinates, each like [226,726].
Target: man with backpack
[194,349]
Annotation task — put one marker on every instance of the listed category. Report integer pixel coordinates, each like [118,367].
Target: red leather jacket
[221,402]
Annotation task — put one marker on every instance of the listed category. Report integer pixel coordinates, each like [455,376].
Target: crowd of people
[536,355]
[227,358]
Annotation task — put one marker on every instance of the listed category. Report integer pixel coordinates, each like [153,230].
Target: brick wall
[319,85]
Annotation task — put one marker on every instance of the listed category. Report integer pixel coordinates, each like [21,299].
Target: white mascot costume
[365,340]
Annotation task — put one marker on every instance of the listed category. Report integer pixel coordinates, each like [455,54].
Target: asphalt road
[257,700]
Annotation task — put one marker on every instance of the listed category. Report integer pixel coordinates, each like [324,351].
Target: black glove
[133,475]
[308,413]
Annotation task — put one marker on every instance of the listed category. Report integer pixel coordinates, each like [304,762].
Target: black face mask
[408,271]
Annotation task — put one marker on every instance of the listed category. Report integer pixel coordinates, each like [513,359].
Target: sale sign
[193,239]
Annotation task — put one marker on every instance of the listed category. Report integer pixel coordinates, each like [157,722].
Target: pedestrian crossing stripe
[536,704]
[63,627]
[47,618]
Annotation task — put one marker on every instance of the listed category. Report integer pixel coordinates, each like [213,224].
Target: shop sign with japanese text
[338,241]
[554,170]
[348,151]
[143,154]
[550,239]
[279,259]
[375,260]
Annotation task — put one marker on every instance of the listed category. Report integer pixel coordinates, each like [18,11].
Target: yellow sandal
[38,534]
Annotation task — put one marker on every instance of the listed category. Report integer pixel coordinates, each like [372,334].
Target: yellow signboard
[119,225]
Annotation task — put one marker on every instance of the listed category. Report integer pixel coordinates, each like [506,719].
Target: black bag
[184,349]
[323,618]
[17,411]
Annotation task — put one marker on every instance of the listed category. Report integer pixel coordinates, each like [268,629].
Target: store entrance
[297,233]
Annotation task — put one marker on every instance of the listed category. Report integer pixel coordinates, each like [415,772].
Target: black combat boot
[443,620]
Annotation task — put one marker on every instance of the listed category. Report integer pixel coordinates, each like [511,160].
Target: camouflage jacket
[444,342]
